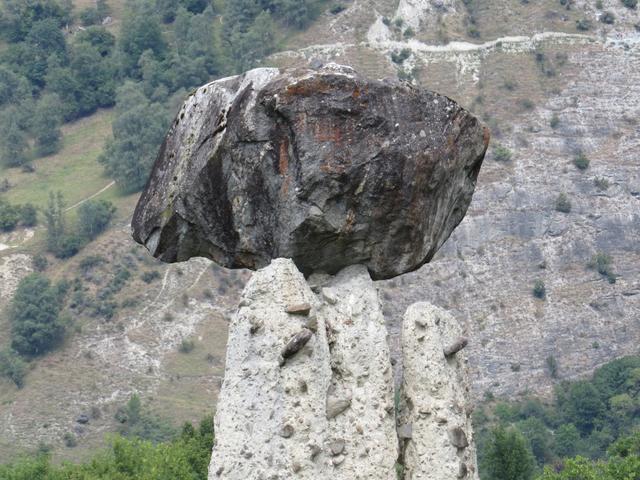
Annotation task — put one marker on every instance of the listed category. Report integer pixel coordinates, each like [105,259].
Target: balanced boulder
[322,166]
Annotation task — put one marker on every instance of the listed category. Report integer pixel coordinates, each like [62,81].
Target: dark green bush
[563,204]
[94,217]
[502,153]
[12,367]
[630,3]
[40,262]
[584,24]
[150,276]
[601,262]
[581,161]
[608,18]
[36,326]
[539,290]
[401,56]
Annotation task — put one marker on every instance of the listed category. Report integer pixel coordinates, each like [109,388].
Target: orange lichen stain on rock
[327,131]
[308,87]
[283,166]
[283,157]
[486,136]
[356,92]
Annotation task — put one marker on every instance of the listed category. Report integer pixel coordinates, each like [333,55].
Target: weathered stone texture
[325,167]
[325,413]
[435,398]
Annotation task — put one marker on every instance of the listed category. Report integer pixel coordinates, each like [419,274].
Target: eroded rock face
[324,167]
[435,397]
[326,410]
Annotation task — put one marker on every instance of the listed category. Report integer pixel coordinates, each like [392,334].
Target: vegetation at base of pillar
[591,430]
[185,456]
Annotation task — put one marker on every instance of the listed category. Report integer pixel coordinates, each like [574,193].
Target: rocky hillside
[559,89]
[564,117]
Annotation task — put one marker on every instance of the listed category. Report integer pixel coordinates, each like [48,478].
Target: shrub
[70,440]
[186,346]
[87,263]
[539,290]
[93,217]
[583,25]
[608,18]
[34,314]
[563,204]
[581,161]
[150,276]
[409,33]
[89,16]
[601,262]
[599,5]
[400,57]
[12,367]
[552,366]
[630,3]
[555,121]
[527,104]
[28,215]
[502,153]
[9,216]
[40,263]
[386,21]
[68,246]
[601,183]
[337,8]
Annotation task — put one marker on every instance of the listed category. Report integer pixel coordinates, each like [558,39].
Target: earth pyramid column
[323,181]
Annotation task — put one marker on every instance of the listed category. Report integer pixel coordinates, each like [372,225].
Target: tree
[95,78]
[249,48]
[583,406]
[34,315]
[46,124]
[508,456]
[19,16]
[93,217]
[539,438]
[13,87]
[99,38]
[567,438]
[46,37]
[13,141]
[54,215]
[9,216]
[12,367]
[28,215]
[138,131]
[140,31]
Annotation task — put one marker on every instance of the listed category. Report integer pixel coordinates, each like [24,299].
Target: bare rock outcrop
[306,395]
[435,405]
[325,167]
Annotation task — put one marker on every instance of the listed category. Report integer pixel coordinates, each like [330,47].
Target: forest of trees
[53,72]
[184,457]
[593,420]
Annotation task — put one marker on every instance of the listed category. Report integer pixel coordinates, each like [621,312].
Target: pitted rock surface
[322,166]
[325,413]
[435,397]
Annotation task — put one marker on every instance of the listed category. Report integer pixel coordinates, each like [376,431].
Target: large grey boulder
[325,167]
